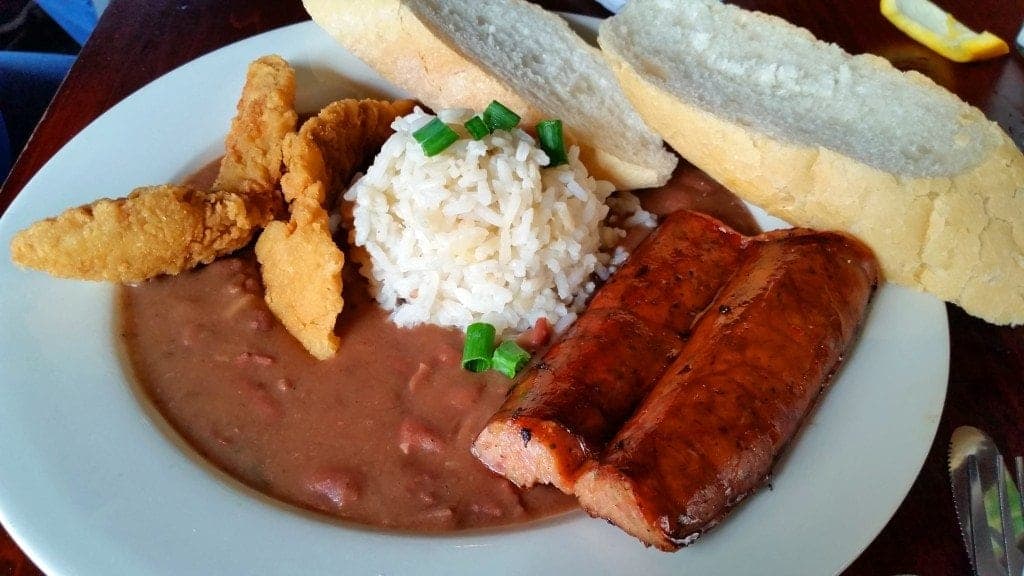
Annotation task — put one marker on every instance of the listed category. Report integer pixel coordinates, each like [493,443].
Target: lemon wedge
[940,31]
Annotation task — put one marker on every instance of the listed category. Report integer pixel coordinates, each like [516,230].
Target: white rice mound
[482,232]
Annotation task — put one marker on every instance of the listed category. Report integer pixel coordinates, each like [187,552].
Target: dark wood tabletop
[138,40]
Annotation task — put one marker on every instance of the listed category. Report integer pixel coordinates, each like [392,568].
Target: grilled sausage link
[707,434]
[566,406]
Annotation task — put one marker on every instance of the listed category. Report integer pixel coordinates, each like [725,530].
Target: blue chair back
[5,151]
[28,81]
[76,17]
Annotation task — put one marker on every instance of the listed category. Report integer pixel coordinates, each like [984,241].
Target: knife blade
[1020,41]
[973,454]
[613,6]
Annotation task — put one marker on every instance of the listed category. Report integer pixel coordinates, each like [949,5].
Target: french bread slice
[454,54]
[827,140]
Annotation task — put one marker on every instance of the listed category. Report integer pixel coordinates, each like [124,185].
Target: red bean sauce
[379,434]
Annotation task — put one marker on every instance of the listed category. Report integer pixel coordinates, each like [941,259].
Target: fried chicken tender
[331,145]
[167,229]
[299,260]
[301,268]
[265,114]
[155,230]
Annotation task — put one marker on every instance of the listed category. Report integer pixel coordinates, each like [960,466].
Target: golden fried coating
[155,230]
[301,268]
[306,175]
[299,261]
[266,112]
[332,145]
[167,229]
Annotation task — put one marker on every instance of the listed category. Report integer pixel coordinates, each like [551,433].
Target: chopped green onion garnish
[476,352]
[498,117]
[550,134]
[435,137]
[476,127]
[509,358]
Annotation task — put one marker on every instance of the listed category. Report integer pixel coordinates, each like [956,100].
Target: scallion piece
[476,352]
[551,141]
[435,137]
[476,127]
[498,117]
[509,358]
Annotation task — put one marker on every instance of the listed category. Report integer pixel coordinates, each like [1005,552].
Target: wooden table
[139,40]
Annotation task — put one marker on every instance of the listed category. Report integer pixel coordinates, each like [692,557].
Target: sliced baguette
[452,54]
[828,140]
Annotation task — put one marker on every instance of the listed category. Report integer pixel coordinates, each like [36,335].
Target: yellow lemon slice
[938,30]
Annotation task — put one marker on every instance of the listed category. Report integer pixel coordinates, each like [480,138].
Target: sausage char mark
[710,429]
[576,397]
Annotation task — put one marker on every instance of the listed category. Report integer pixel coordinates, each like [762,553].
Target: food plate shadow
[201,169]
[584,29]
[342,87]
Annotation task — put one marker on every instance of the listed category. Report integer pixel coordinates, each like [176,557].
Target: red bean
[337,487]
[251,285]
[417,379]
[262,321]
[463,396]
[438,516]
[504,501]
[237,283]
[421,485]
[490,509]
[413,436]
[262,401]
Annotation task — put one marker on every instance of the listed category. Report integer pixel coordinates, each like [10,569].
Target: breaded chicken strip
[332,145]
[156,230]
[300,263]
[301,268]
[168,229]
[266,112]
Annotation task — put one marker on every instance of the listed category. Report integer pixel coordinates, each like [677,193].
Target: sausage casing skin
[710,429]
[565,407]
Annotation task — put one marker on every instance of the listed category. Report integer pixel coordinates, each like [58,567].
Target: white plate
[91,485]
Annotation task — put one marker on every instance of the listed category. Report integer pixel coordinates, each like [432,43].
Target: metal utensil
[1020,41]
[988,503]
[613,6]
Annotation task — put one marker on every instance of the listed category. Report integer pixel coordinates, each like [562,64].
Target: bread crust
[959,237]
[391,39]
[387,35]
